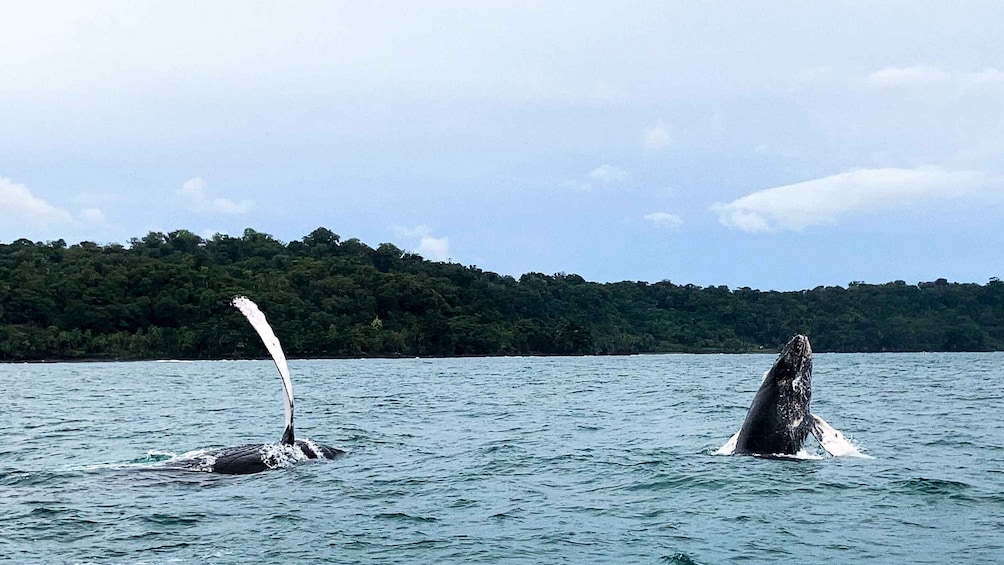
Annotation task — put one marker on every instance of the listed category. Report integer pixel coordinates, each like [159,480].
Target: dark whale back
[254,457]
[319,450]
[240,460]
[779,420]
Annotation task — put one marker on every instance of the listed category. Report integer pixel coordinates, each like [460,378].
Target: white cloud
[821,201]
[908,76]
[17,202]
[22,214]
[608,174]
[986,78]
[922,75]
[193,195]
[433,248]
[664,220]
[656,138]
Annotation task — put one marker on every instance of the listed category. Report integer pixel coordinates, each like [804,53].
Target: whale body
[779,419]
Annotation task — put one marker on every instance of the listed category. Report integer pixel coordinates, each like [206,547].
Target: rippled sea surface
[502,460]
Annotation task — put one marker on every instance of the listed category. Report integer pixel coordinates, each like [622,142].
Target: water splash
[835,446]
[278,455]
[196,460]
[156,455]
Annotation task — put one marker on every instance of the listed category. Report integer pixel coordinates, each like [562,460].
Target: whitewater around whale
[254,458]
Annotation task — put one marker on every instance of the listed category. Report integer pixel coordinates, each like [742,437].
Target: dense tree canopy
[166,296]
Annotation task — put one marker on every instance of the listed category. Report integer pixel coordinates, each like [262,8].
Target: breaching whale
[254,458]
[779,420]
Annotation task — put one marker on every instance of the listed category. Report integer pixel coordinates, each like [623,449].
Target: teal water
[502,460]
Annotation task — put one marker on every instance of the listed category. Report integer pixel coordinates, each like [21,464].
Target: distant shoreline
[167,296]
[514,356]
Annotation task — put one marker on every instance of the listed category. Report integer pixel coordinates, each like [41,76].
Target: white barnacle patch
[799,383]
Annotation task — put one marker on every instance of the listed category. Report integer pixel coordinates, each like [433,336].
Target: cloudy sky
[771,145]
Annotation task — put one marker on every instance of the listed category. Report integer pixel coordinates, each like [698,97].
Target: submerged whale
[254,458]
[779,420]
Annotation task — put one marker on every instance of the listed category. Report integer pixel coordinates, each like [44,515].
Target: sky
[771,145]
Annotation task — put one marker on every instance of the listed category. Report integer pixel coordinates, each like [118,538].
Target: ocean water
[502,460]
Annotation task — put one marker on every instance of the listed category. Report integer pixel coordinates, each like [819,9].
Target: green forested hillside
[166,296]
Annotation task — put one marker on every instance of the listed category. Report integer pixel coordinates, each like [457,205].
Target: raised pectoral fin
[832,440]
[257,320]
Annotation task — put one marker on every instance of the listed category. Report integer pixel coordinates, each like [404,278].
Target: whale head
[794,365]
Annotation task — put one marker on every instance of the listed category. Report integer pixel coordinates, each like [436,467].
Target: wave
[938,487]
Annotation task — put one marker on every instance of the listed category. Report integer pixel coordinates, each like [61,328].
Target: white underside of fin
[832,440]
[260,324]
[730,446]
